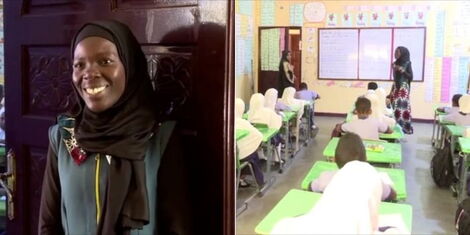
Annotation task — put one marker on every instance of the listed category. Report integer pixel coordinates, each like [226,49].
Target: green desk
[297,202]
[391,153]
[286,118]
[240,134]
[453,132]
[288,115]
[395,135]
[268,133]
[396,175]
[440,130]
[464,144]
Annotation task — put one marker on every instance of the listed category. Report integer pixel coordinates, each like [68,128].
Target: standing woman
[112,166]
[286,72]
[400,93]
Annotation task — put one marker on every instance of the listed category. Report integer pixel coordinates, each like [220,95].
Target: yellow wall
[338,96]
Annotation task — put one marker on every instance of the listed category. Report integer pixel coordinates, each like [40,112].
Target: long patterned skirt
[401,105]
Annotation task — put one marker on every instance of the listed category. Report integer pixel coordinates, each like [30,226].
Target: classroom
[307,72]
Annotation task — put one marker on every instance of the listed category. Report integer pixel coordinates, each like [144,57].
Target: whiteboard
[367,53]
[413,39]
[374,54]
[338,53]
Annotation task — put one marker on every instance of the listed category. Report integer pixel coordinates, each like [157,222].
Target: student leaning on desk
[462,117]
[346,207]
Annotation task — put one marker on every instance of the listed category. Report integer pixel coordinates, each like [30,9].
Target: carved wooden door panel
[187,46]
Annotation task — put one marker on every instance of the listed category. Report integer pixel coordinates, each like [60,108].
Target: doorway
[272,42]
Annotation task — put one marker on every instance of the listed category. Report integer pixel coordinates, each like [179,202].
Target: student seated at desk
[380,92]
[351,148]
[461,118]
[293,103]
[346,206]
[371,87]
[365,126]
[377,112]
[248,145]
[455,105]
[271,102]
[258,113]
[305,94]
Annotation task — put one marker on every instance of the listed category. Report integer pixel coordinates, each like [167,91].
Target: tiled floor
[433,208]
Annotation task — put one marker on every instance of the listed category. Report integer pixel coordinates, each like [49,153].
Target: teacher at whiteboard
[400,93]
[286,72]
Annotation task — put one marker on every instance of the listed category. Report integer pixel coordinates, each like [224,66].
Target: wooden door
[268,66]
[296,57]
[188,46]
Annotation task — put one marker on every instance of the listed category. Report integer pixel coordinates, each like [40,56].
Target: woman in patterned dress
[400,93]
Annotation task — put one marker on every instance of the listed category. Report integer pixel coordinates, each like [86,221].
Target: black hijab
[121,131]
[404,56]
[404,61]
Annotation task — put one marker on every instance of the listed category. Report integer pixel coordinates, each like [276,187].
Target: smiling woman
[98,73]
[107,156]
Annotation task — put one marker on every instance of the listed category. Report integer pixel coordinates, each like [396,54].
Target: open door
[272,42]
[187,43]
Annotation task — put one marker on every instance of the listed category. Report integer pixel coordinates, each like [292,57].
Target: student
[377,112]
[461,118]
[380,92]
[371,87]
[248,145]
[259,114]
[351,148]
[349,205]
[304,94]
[455,105]
[365,126]
[271,102]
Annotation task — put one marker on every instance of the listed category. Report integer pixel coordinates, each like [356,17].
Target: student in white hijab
[271,101]
[248,145]
[381,94]
[297,106]
[346,206]
[260,114]
[377,112]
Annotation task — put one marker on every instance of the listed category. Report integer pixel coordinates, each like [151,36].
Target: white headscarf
[250,143]
[294,104]
[464,104]
[260,114]
[270,98]
[349,205]
[377,112]
[288,99]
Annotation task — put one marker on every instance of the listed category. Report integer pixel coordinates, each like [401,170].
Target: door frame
[286,41]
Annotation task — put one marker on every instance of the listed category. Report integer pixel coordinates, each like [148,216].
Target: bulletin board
[367,53]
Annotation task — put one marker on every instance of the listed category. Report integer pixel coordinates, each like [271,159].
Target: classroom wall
[447,32]
[245,39]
